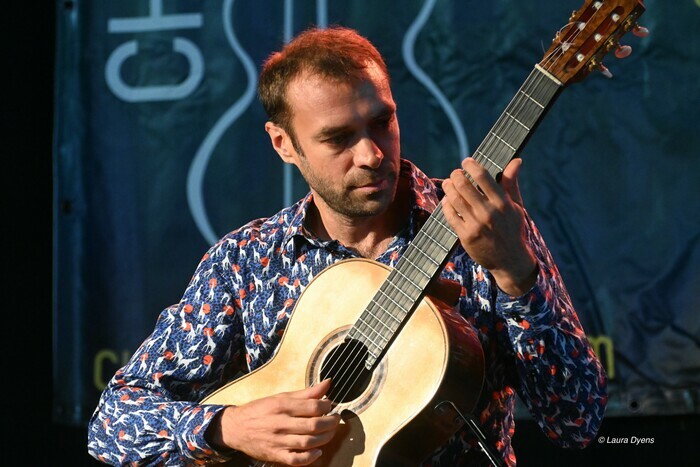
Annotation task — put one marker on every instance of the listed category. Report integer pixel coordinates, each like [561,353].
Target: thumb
[509,180]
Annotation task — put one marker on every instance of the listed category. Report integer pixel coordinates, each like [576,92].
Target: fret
[422,246]
[417,274]
[502,141]
[427,245]
[496,150]
[531,99]
[367,339]
[420,255]
[369,328]
[479,153]
[438,244]
[416,278]
[524,113]
[446,236]
[372,357]
[384,294]
[513,133]
[397,287]
[373,350]
[446,227]
[416,267]
[540,91]
[514,125]
[525,127]
[388,313]
[541,87]
[380,321]
[426,256]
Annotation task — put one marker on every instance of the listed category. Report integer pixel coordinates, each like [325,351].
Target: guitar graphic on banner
[384,323]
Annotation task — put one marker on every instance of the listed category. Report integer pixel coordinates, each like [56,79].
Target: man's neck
[368,236]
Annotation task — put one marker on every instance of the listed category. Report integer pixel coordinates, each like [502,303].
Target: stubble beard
[347,202]
[350,205]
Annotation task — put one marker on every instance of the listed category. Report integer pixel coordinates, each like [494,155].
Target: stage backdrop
[160,150]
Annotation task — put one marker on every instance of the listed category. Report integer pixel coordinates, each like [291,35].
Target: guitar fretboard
[425,257]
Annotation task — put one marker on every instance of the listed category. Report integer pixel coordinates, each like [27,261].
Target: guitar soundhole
[345,366]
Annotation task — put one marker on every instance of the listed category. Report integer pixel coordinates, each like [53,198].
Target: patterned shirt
[234,311]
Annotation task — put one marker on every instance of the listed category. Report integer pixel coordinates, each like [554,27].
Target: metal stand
[480,438]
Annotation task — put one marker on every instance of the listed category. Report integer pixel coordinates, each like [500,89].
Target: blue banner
[160,150]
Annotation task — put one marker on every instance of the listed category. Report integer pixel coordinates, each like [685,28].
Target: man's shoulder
[257,233]
[266,227]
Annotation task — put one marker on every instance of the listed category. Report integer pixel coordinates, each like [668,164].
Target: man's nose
[368,153]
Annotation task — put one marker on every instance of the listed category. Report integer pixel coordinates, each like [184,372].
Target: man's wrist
[519,283]
[214,435]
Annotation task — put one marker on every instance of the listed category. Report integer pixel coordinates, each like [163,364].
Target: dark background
[28,50]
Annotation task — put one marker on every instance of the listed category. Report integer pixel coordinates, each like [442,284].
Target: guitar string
[502,126]
[505,124]
[352,358]
[488,146]
[547,63]
[381,300]
[349,356]
[357,351]
[354,351]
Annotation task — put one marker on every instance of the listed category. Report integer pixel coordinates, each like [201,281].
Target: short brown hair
[336,52]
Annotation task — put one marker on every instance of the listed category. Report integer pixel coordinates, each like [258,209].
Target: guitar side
[436,357]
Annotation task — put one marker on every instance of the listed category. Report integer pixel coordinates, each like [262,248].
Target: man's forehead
[333,102]
[371,73]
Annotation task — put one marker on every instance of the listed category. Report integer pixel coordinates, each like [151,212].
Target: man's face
[348,135]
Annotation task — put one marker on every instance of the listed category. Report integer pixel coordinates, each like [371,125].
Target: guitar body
[403,411]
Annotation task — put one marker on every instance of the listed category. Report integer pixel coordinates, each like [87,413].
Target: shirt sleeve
[148,414]
[562,381]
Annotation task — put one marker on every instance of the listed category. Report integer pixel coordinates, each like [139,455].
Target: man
[332,115]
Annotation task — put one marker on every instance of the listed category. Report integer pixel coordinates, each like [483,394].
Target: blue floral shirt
[235,309]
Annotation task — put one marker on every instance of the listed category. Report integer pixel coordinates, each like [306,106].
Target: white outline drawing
[408,56]
[198,167]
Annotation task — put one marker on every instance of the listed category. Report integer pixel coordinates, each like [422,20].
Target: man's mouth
[377,184]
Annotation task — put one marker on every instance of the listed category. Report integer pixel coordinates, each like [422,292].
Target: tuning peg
[623,51]
[604,70]
[640,31]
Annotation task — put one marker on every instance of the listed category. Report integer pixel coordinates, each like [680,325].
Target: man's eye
[338,140]
[384,122]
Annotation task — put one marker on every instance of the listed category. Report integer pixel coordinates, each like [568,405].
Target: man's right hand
[288,428]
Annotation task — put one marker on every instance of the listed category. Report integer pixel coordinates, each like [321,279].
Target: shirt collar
[425,195]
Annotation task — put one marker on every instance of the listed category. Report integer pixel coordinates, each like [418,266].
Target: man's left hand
[490,223]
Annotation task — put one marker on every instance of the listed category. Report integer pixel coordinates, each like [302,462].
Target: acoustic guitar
[406,368]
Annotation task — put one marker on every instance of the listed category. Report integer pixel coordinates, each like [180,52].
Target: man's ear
[281,142]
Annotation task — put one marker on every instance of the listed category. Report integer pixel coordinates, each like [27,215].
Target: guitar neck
[516,124]
[427,254]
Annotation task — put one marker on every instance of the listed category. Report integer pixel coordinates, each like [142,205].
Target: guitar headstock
[592,32]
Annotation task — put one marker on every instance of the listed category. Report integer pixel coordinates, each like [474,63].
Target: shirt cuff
[192,438]
[529,311]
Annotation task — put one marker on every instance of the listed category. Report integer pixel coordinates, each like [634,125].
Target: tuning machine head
[640,31]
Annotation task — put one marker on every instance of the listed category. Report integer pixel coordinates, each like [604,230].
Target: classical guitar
[406,368]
